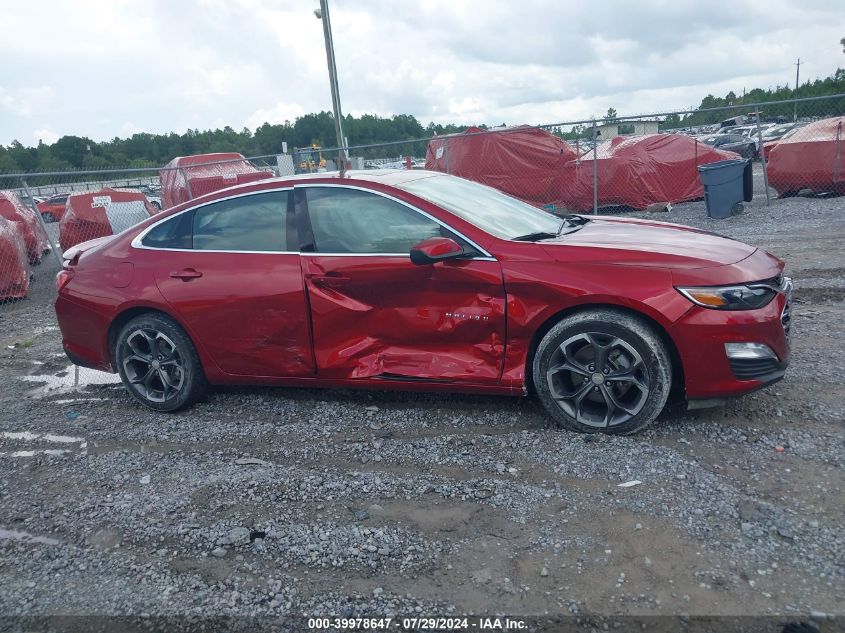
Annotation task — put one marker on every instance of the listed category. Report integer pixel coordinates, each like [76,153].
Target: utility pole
[323,14]
[797,69]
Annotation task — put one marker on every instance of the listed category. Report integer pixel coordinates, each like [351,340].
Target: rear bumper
[700,337]
[84,333]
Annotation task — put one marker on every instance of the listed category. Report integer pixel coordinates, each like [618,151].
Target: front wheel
[602,371]
[159,364]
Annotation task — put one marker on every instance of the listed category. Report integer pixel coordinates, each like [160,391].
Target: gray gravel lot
[276,501]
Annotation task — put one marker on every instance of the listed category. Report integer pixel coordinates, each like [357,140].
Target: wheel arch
[127,314]
[659,328]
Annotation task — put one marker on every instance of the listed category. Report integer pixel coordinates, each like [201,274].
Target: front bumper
[700,337]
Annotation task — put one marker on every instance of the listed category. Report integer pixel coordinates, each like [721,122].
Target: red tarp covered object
[26,223]
[203,178]
[638,171]
[524,162]
[811,158]
[14,267]
[93,214]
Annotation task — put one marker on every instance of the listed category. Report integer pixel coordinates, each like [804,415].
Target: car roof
[389,177]
[383,176]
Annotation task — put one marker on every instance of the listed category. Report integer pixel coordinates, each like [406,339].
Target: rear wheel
[159,364]
[602,371]
[48,217]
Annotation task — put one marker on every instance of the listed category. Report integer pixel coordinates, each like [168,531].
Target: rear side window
[172,233]
[249,223]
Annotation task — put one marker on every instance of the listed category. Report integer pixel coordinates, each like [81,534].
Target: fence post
[53,246]
[763,160]
[595,172]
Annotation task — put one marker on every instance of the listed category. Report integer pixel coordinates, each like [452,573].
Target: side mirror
[435,249]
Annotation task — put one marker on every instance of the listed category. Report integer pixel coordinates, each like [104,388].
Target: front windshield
[487,208]
[776,131]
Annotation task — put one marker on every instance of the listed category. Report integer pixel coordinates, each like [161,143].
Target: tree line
[153,150]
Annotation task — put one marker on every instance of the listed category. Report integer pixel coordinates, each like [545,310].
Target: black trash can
[727,183]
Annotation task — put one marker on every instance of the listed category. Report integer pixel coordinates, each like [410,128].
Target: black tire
[156,205]
[159,364]
[602,371]
[48,217]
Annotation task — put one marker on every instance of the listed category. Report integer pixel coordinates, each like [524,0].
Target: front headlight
[748,297]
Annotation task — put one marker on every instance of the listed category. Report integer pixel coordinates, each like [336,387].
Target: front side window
[354,221]
[254,222]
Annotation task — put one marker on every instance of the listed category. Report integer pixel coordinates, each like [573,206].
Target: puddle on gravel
[14,535]
[73,400]
[49,451]
[29,436]
[66,380]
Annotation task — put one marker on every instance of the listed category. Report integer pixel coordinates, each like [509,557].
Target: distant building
[627,128]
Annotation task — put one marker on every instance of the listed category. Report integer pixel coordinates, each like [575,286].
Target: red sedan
[422,281]
[53,208]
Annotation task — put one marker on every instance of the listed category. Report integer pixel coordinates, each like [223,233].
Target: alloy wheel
[598,379]
[153,365]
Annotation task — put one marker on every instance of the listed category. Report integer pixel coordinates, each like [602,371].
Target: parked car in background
[27,225]
[777,132]
[108,211]
[152,193]
[742,145]
[768,146]
[419,280]
[30,202]
[53,208]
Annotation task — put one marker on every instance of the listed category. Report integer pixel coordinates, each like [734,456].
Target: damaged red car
[419,280]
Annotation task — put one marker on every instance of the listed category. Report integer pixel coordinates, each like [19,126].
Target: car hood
[646,242]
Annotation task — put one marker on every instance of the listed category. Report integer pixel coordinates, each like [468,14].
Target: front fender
[540,292]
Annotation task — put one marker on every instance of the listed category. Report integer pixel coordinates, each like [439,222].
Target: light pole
[323,14]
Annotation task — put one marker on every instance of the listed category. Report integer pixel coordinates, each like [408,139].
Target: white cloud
[46,135]
[166,66]
[278,113]
[27,101]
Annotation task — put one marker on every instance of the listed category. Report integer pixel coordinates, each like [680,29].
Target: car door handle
[329,281]
[186,274]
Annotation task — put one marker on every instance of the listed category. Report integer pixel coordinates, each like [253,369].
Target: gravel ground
[273,501]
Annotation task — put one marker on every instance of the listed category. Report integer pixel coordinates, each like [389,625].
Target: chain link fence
[618,165]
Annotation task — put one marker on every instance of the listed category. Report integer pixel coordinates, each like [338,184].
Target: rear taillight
[63,278]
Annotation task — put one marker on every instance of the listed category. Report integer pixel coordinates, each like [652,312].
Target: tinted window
[250,223]
[353,221]
[172,233]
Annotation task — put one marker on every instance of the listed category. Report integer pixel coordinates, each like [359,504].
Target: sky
[106,68]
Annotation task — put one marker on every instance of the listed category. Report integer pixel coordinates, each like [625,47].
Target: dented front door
[382,316]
